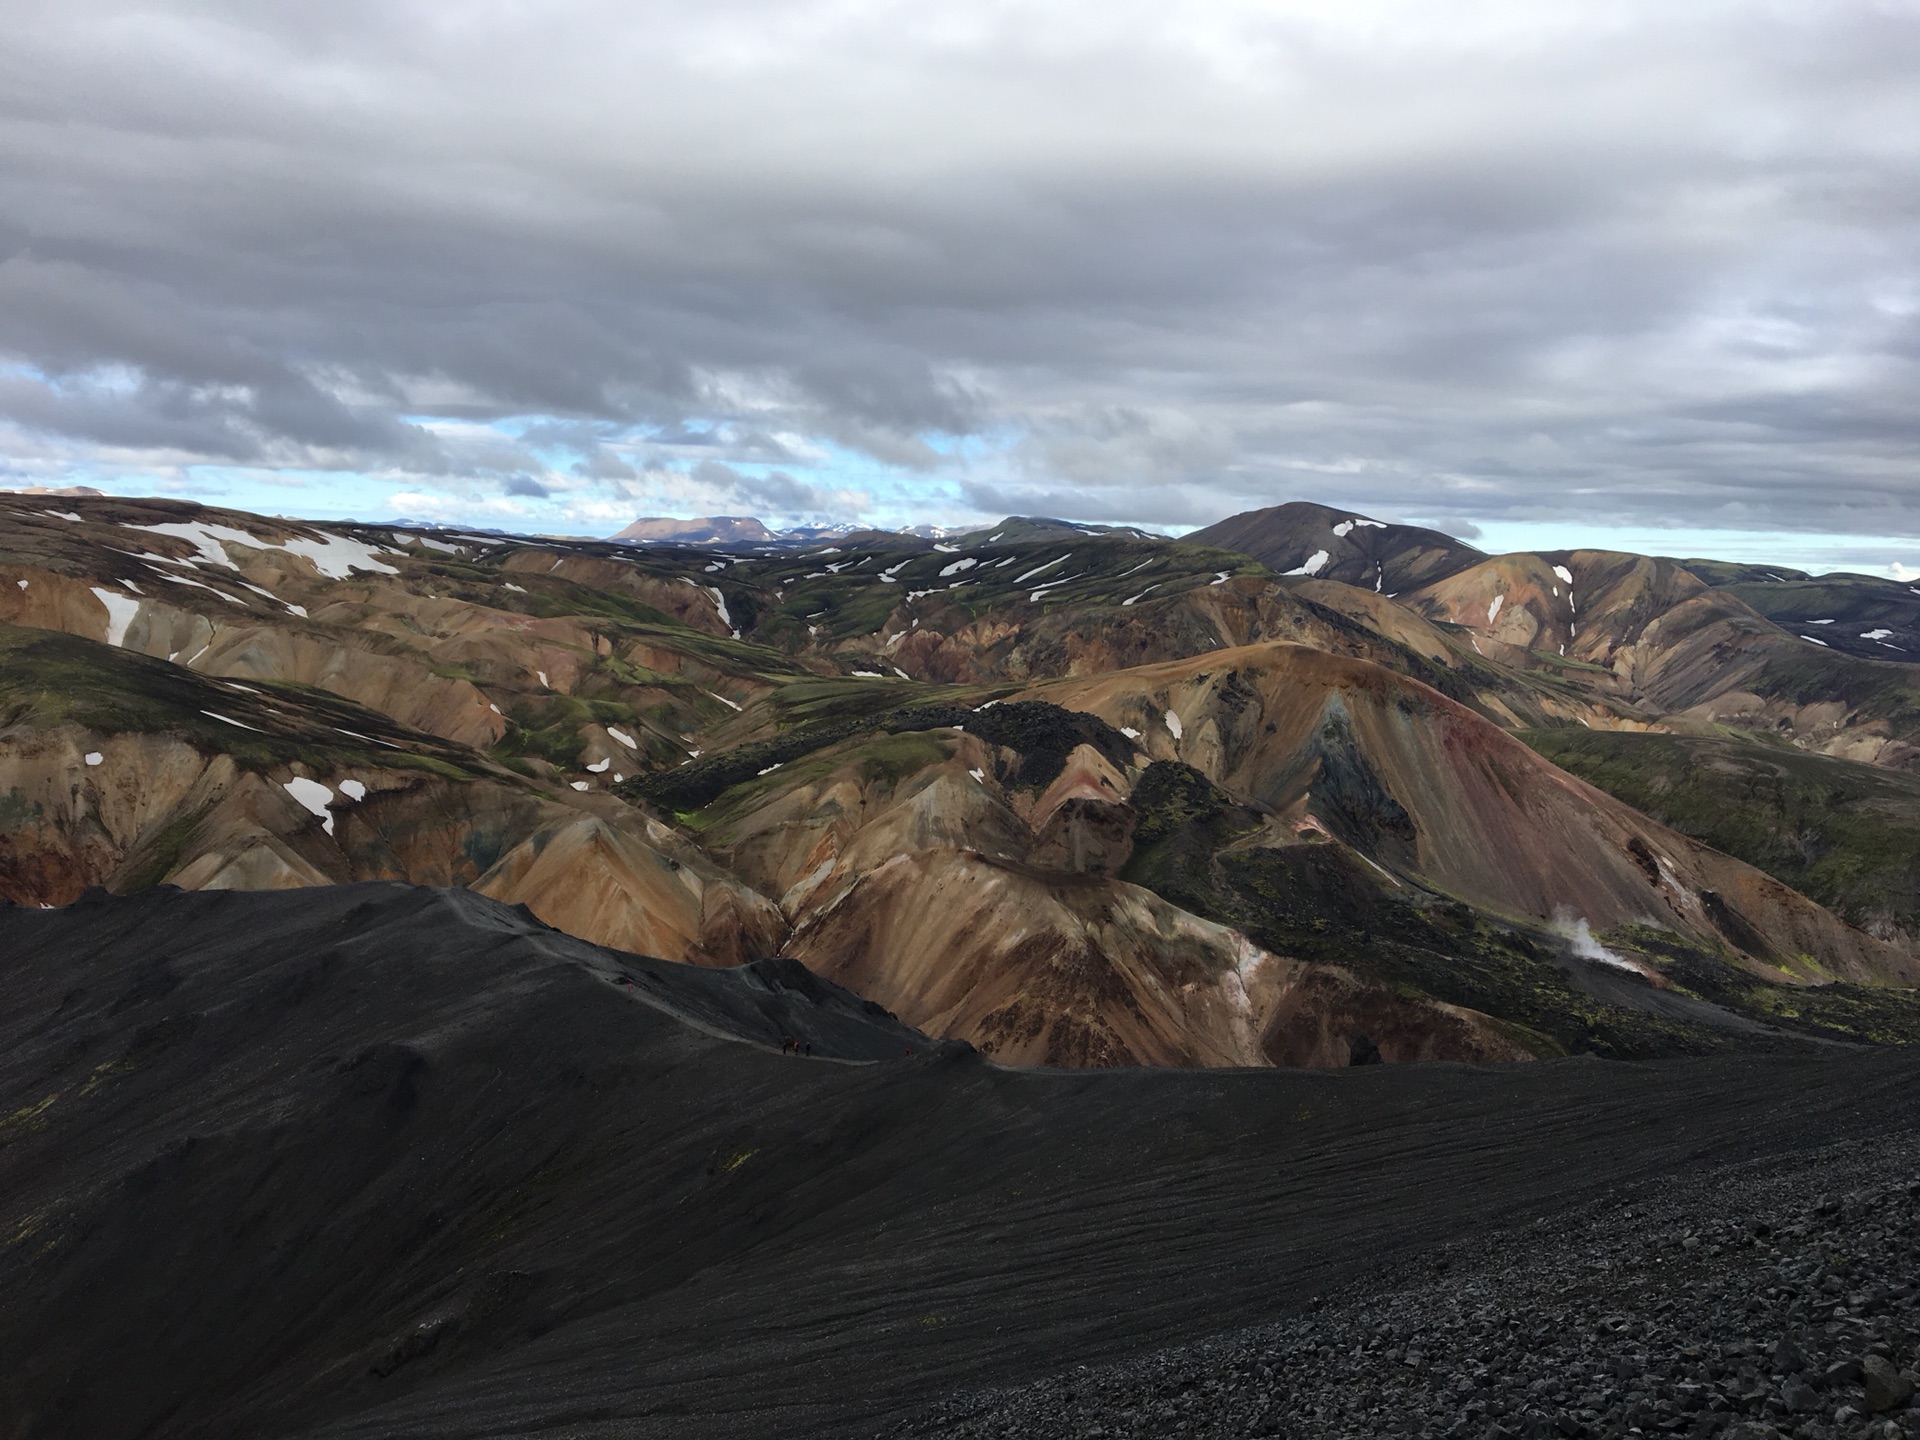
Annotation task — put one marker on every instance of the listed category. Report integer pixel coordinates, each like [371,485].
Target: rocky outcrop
[976,909]
[605,881]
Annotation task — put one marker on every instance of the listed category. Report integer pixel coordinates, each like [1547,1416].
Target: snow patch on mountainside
[120,613]
[1313,564]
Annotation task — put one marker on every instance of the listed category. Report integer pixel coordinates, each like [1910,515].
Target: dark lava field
[374,1160]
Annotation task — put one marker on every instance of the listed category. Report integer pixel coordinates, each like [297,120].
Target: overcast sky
[1515,267]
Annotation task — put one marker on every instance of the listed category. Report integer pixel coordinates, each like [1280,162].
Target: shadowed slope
[369,1161]
[1859,615]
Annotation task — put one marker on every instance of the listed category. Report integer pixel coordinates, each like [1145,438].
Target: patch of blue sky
[895,495]
[97,381]
[835,483]
[1817,554]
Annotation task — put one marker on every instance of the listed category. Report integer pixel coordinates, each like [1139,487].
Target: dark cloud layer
[1493,261]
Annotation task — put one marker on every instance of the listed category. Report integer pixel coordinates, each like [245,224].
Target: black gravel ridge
[371,1161]
[1778,1298]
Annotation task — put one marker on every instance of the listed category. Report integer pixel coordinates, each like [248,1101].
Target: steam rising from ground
[1579,937]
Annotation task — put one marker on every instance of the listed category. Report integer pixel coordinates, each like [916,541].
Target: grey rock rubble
[1772,1299]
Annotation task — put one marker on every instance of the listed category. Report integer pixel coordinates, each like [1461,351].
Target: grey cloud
[1153,263]
[751,444]
[715,472]
[525,485]
[781,493]
[990,499]
[565,434]
[285,420]
[776,492]
[739,443]
[603,464]
[681,434]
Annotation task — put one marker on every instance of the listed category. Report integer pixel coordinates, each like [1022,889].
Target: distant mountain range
[1296,789]
[707,530]
[745,532]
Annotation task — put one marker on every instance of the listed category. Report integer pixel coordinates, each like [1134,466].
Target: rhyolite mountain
[1075,795]
[707,530]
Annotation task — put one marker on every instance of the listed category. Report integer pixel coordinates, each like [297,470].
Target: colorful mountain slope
[955,773]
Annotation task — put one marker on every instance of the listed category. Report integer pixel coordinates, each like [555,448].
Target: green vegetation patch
[160,854]
[1846,835]
[49,679]
[822,698]
[1043,735]
[882,760]
[1728,572]
[1809,675]
[1847,599]
[1867,1015]
[549,727]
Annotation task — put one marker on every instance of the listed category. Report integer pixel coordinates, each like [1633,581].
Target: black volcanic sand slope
[377,1161]
[1750,1302]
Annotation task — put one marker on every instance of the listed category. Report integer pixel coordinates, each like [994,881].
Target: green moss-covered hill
[1842,833]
